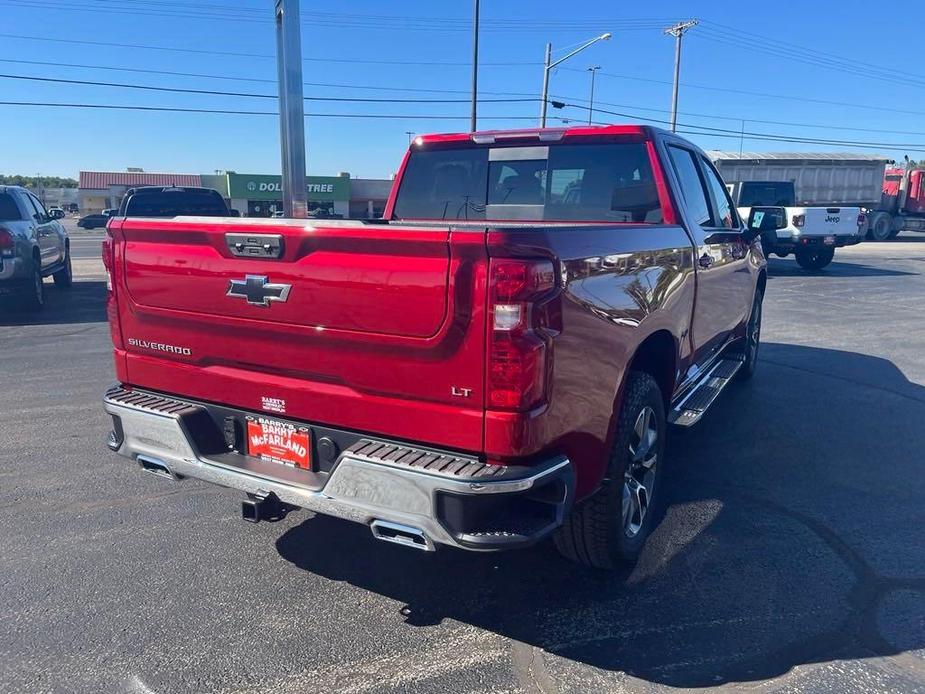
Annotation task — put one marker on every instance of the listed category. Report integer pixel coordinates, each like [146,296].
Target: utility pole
[592,70]
[291,108]
[475,65]
[678,32]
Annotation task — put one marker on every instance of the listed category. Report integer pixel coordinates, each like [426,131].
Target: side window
[39,207]
[691,186]
[29,202]
[724,209]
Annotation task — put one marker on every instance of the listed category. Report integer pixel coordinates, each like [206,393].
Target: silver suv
[32,246]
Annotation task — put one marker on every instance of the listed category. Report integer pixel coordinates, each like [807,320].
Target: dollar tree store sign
[260,187]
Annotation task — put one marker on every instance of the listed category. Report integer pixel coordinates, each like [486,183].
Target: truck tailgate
[349,318]
[826,221]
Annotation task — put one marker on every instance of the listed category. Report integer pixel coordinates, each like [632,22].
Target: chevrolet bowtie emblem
[258,291]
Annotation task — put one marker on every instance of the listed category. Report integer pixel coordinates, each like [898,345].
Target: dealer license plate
[279,442]
[829,240]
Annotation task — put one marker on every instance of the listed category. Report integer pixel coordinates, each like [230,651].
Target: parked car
[93,221]
[172,201]
[494,362]
[33,246]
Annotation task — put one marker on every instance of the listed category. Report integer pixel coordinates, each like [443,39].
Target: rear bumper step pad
[452,499]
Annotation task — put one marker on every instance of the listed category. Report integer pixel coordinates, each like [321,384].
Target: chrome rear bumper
[483,508]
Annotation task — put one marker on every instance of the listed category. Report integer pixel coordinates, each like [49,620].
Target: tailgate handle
[833,210]
[255,245]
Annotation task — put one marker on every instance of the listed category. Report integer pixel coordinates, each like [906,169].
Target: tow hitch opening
[264,507]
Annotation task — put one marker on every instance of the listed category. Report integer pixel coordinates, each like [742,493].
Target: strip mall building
[253,195]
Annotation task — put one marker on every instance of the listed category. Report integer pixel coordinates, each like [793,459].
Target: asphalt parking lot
[791,556]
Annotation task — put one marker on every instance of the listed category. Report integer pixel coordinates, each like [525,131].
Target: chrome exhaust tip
[401,535]
[157,467]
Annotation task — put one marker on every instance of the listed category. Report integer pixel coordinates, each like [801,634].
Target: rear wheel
[815,259]
[65,276]
[34,289]
[610,528]
[752,339]
[881,227]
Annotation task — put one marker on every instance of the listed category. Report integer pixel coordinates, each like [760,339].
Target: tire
[894,233]
[881,226]
[610,528]
[752,339]
[34,290]
[815,259]
[65,276]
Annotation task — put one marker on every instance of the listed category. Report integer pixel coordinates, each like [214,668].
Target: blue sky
[809,52]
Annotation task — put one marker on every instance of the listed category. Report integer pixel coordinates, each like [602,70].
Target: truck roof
[542,134]
[717,155]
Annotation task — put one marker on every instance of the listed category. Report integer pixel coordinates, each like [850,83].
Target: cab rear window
[9,212]
[175,204]
[610,182]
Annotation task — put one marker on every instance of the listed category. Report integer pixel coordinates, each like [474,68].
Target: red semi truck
[495,361]
[902,204]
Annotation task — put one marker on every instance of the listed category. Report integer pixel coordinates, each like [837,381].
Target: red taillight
[799,220]
[107,251]
[862,219]
[518,349]
[112,306]
[6,241]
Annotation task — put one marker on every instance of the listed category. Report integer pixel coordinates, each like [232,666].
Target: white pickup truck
[811,233]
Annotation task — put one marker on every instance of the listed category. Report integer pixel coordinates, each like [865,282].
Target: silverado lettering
[159,347]
[494,363]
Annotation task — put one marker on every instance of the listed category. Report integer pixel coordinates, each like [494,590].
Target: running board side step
[688,411]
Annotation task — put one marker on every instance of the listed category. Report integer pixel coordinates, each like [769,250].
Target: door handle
[706,260]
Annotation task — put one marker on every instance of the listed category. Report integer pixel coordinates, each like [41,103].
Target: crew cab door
[723,278]
[46,230]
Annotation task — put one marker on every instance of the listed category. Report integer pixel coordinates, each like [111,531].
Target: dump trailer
[820,180]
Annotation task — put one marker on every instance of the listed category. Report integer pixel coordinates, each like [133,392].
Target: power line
[739,119]
[773,137]
[781,52]
[327,19]
[746,92]
[891,71]
[713,116]
[135,46]
[251,95]
[235,78]
[237,112]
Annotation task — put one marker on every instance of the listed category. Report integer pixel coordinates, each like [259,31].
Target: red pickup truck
[495,361]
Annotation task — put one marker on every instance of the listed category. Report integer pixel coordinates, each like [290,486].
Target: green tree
[37,181]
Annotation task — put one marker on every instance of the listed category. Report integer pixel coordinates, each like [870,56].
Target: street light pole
[548,65]
[409,133]
[678,32]
[592,70]
[475,65]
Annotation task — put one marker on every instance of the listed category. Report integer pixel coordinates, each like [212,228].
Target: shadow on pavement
[789,538]
[82,302]
[787,267]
